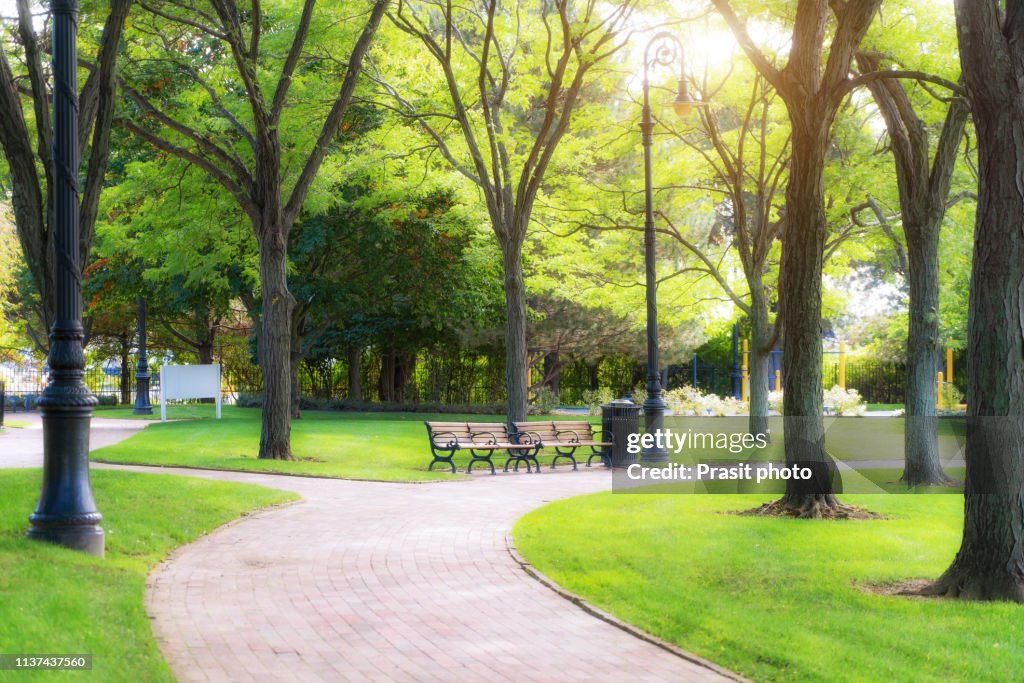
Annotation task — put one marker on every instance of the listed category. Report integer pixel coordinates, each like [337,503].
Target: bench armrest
[606,435]
[492,435]
[569,431]
[529,438]
[454,439]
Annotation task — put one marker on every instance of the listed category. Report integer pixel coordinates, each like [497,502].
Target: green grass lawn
[385,446]
[885,406]
[777,599]
[15,424]
[58,601]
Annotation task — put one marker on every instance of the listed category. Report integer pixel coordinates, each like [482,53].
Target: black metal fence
[876,381]
[23,386]
[463,378]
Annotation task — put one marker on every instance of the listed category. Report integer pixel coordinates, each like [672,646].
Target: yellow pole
[949,364]
[745,384]
[938,394]
[842,365]
[778,380]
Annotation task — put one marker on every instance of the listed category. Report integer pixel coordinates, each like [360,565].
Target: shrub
[692,401]
[544,401]
[247,400]
[595,398]
[845,402]
[104,399]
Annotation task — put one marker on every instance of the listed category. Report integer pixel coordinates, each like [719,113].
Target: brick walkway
[366,581]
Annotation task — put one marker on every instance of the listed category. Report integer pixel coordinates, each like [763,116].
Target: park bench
[565,437]
[482,440]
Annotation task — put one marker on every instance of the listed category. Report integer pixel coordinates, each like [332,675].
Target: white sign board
[188,381]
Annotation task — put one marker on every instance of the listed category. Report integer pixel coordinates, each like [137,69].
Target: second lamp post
[664,49]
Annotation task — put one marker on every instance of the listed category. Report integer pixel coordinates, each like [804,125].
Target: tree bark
[355,387]
[126,367]
[803,246]
[990,562]
[516,352]
[812,88]
[921,443]
[760,353]
[275,345]
[553,372]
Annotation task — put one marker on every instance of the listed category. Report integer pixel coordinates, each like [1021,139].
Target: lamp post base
[66,513]
[88,538]
[654,417]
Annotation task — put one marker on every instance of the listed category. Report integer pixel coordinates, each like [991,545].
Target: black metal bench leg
[560,454]
[480,458]
[446,459]
[605,459]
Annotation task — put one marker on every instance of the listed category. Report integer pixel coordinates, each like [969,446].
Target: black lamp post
[664,49]
[66,513]
[142,404]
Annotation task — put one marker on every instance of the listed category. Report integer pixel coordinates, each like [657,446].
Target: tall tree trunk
[355,387]
[594,375]
[762,333]
[405,367]
[803,246]
[760,383]
[275,345]
[990,562]
[921,442]
[553,372]
[205,352]
[386,378]
[126,369]
[923,185]
[516,359]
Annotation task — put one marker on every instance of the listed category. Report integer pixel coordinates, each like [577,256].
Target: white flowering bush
[845,402]
[692,401]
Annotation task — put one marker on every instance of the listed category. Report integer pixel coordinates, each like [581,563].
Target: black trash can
[620,418]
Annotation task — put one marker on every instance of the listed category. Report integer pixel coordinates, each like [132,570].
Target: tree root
[939,479]
[811,507]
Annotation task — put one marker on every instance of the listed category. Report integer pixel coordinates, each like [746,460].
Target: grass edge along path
[778,599]
[59,601]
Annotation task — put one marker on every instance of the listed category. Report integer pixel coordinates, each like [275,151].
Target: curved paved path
[365,581]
